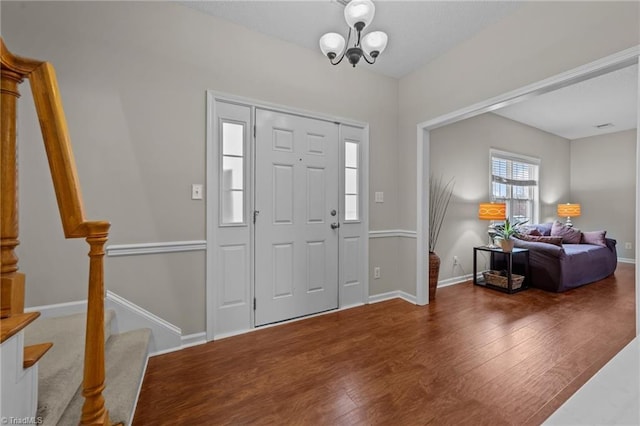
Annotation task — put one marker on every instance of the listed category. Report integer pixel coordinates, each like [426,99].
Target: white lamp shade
[332,43]
[374,41]
[359,11]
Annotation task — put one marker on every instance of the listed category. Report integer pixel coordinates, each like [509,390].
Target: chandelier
[358,14]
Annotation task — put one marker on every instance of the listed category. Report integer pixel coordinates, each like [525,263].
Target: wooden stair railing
[46,97]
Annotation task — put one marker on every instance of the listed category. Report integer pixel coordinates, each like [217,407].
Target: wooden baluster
[94,411]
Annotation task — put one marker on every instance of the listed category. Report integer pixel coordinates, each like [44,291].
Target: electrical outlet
[628,245]
[456,261]
[376,272]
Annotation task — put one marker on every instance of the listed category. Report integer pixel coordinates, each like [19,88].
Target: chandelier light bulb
[374,43]
[359,11]
[332,44]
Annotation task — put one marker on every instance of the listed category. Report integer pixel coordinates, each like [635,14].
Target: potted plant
[439,198]
[507,230]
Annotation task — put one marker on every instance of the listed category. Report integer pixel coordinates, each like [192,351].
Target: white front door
[296,203]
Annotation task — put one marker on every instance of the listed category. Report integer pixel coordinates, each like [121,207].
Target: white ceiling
[418,31]
[421,30]
[573,112]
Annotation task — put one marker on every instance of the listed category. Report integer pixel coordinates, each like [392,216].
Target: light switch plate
[196,191]
[379,197]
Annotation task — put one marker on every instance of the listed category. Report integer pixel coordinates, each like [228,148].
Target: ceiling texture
[420,31]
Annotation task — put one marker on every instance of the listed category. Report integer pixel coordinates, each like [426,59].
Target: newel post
[12,72]
[94,411]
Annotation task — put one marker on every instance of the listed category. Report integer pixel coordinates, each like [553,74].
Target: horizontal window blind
[514,181]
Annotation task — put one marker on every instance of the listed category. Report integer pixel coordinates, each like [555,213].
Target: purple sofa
[558,269]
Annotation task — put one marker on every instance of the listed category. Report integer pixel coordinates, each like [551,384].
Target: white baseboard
[455,280]
[165,337]
[626,260]
[397,294]
[59,309]
[262,327]
[194,339]
[129,316]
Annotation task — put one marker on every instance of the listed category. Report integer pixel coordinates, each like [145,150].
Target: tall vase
[434,271]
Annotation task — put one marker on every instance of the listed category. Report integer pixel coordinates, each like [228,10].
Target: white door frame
[346,297]
[602,66]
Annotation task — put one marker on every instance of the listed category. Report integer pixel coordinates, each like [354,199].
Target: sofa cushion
[542,239]
[569,235]
[594,237]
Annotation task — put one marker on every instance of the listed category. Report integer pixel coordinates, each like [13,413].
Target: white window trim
[521,158]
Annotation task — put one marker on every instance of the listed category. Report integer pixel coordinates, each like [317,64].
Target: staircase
[53,369]
[60,372]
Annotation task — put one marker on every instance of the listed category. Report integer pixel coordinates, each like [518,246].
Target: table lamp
[569,210]
[492,211]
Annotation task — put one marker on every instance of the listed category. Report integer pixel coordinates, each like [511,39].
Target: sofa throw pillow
[530,230]
[569,235]
[544,228]
[594,237]
[556,241]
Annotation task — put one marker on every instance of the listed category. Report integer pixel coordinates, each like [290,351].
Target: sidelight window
[232,179]
[351,181]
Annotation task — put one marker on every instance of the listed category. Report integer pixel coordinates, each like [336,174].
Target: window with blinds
[514,181]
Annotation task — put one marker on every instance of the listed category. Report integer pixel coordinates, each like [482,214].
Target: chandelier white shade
[357,11]
[331,43]
[374,43]
[358,14]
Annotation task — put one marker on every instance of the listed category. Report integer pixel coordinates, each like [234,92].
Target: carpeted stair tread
[60,370]
[126,358]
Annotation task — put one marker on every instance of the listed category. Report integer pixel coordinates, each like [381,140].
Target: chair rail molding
[390,233]
[115,250]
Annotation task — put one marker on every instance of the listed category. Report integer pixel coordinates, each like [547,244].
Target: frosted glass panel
[351,154]
[232,173]
[351,188]
[351,181]
[232,139]
[351,207]
[232,207]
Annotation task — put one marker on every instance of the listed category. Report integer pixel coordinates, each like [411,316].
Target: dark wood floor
[474,356]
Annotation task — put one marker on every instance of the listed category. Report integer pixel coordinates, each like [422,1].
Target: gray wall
[539,40]
[461,151]
[133,77]
[603,176]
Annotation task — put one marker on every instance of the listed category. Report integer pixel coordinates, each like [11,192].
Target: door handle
[335,225]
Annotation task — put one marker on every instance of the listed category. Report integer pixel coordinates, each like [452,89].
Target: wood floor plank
[474,356]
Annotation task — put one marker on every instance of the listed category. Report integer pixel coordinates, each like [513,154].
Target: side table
[508,257]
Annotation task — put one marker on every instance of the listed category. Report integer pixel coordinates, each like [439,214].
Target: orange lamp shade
[492,211]
[568,210]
